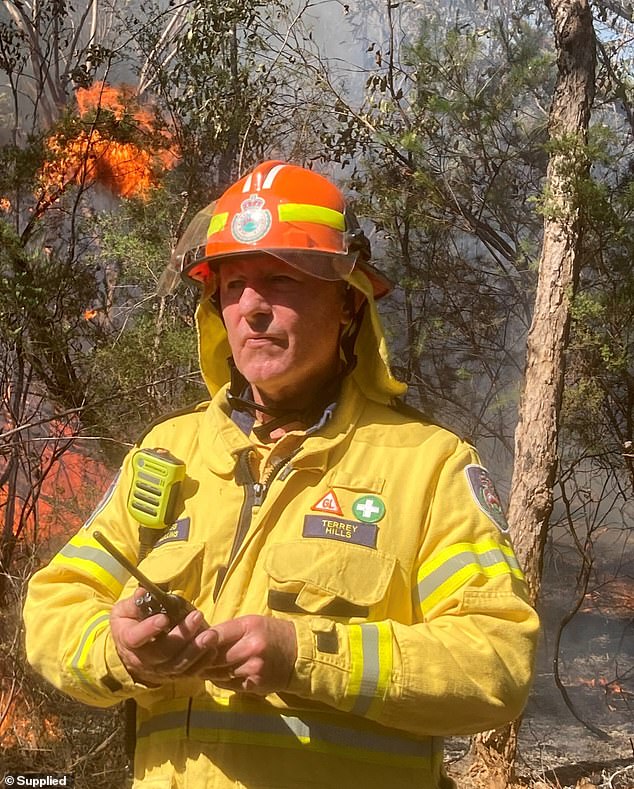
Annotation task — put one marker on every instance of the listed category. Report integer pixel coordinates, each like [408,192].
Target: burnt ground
[596,667]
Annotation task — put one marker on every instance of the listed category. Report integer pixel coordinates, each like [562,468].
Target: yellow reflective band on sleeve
[94,627]
[371,665]
[317,214]
[252,722]
[455,565]
[217,223]
[84,554]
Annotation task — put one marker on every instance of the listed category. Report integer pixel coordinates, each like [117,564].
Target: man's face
[283,327]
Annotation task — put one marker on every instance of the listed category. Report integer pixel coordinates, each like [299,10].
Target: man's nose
[253,302]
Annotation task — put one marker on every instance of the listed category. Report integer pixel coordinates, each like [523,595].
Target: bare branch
[624,11]
[173,27]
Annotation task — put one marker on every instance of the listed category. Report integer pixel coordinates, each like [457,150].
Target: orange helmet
[286,211]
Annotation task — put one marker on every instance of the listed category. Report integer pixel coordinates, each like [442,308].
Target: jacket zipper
[254,495]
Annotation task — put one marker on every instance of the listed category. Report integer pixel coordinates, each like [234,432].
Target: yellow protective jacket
[379,537]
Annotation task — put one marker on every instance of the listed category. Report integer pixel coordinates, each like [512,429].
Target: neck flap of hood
[371,373]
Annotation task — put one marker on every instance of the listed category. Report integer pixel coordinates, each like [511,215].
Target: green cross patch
[368,508]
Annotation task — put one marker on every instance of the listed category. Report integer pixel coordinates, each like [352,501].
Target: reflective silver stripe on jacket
[371,659]
[98,557]
[457,564]
[327,733]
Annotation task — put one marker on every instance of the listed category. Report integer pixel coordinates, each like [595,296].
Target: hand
[252,653]
[151,650]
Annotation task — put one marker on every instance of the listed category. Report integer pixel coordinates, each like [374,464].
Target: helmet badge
[253,222]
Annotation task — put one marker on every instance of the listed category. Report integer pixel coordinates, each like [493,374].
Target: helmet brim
[321,265]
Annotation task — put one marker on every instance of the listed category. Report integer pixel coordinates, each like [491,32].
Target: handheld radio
[153,494]
[155,600]
[156,478]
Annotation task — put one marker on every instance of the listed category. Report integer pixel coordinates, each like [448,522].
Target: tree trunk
[536,434]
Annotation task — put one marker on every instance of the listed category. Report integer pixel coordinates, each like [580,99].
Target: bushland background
[488,150]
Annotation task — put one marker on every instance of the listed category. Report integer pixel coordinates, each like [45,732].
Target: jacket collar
[223,441]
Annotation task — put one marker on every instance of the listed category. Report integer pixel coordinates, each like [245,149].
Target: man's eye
[282,279]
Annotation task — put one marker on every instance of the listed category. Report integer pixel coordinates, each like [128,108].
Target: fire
[615,598]
[100,95]
[116,144]
[612,686]
[16,726]
[609,685]
[90,314]
[69,491]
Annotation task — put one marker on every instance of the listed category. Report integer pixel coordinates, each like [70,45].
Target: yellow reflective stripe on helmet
[94,627]
[217,223]
[83,553]
[371,665]
[258,723]
[317,214]
[457,564]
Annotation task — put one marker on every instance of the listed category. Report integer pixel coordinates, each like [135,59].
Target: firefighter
[356,595]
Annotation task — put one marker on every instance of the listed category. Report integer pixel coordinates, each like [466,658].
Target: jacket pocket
[177,568]
[336,580]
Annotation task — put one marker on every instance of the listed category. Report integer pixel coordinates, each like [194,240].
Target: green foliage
[16,288]
[41,299]
[449,150]
[213,89]
[143,375]
[143,359]
[19,166]
[599,401]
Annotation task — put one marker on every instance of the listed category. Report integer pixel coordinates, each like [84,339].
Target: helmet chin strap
[238,396]
[240,399]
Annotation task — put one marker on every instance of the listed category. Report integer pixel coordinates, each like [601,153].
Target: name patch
[177,532]
[331,528]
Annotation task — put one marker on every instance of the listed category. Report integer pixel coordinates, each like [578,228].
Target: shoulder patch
[486,497]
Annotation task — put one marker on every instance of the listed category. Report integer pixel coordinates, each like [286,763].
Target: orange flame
[610,686]
[97,154]
[100,95]
[17,723]
[69,491]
